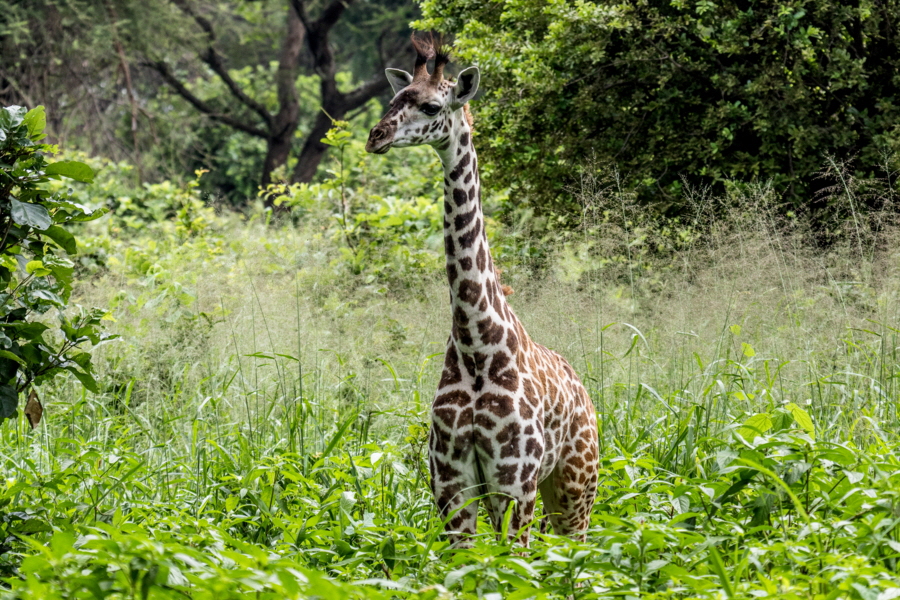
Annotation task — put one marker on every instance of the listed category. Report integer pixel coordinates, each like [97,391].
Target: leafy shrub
[711,91]
[35,271]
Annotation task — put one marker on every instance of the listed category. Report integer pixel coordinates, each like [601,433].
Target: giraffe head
[424,104]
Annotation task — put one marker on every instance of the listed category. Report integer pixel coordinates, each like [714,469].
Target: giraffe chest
[506,409]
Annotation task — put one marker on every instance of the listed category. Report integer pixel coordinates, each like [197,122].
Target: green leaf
[36,268]
[755,425]
[748,350]
[9,399]
[803,419]
[85,378]
[11,356]
[71,169]
[63,238]
[36,120]
[735,329]
[30,215]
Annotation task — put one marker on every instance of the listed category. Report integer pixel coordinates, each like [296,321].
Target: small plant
[35,273]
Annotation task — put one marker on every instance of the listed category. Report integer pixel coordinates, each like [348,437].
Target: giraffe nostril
[377,134]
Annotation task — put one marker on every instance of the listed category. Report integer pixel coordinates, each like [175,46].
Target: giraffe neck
[479,307]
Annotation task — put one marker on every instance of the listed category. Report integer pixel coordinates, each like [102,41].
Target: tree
[711,91]
[304,25]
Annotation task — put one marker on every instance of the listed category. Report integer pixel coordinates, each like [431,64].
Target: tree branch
[212,58]
[163,69]
[366,91]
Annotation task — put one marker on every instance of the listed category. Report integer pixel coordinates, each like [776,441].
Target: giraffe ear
[398,78]
[466,86]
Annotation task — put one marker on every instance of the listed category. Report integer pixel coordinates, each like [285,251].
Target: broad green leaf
[803,419]
[30,215]
[748,350]
[9,399]
[11,356]
[36,268]
[63,238]
[735,329]
[85,378]
[71,169]
[755,425]
[36,120]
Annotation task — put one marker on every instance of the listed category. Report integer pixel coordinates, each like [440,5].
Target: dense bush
[708,91]
[35,274]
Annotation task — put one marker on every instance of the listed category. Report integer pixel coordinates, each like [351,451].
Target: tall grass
[266,399]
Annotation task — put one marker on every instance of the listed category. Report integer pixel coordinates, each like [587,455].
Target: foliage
[706,91]
[35,273]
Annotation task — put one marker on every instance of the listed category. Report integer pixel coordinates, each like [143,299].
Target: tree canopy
[708,91]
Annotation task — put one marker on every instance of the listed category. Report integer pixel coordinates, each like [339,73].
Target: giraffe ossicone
[510,417]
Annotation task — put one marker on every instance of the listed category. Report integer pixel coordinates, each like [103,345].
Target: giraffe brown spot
[483,443]
[451,374]
[479,257]
[465,418]
[459,196]
[469,364]
[485,422]
[533,448]
[499,304]
[473,191]
[525,410]
[460,167]
[503,376]
[446,497]
[463,335]
[577,462]
[529,430]
[468,238]
[469,291]
[447,208]
[479,383]
[482,306]
[500,406]
[441,439]
[466,263]
[447,416]
[527,486]
[528,470]
[508,437]
[512,342]
[452,398]
[464,139]
[491,333]
[460,317]
[480,359]
[462,221]
[467,179]
[446,470]
[449,246]
[506,474]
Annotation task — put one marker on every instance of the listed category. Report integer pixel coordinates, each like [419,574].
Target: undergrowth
[260,429]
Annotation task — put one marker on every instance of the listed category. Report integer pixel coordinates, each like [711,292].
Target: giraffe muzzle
[380,139]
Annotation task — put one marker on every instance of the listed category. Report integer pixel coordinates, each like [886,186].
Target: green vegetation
[710,92]
[259,426]
[696,204]
[35,277]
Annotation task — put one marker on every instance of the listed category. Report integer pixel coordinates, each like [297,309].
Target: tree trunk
[284,125]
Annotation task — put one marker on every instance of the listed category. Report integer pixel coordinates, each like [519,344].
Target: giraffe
[510,417]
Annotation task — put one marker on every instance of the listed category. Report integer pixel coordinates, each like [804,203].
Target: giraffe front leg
[454,488]
[513,492]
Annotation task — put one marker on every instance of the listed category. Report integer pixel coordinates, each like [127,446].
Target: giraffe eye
[431,109]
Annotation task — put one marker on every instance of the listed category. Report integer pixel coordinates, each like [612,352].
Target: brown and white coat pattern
[510,417]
